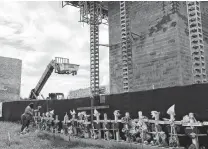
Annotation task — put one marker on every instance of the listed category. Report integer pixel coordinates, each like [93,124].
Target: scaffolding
[84,12]
[196,42]
[94,47]
[126,45]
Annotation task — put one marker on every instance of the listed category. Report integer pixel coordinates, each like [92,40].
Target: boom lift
[61,66]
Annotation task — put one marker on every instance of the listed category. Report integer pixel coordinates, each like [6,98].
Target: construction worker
[27,116]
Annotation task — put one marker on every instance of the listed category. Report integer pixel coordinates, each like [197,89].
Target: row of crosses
[142,129]
[46,121]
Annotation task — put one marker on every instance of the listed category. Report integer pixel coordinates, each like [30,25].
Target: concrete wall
[10,79]
[114,50]
[185,58]
[161,55]
[204,13]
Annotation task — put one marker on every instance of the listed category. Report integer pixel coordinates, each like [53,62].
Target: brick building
[10,79]
[161,55]
[85,92]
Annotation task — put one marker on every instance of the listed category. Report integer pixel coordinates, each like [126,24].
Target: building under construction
[167,47]
[152,44]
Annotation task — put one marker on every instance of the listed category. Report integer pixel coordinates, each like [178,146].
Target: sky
[37,32]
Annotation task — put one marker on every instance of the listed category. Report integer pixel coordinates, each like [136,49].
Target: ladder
[196,42]
[126,46]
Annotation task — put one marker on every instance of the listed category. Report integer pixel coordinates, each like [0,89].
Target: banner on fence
[0,109]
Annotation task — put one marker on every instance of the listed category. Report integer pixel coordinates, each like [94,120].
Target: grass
[10,139]
[35,140]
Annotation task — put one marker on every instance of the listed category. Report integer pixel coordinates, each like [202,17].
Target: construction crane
[61,66]
[93,13]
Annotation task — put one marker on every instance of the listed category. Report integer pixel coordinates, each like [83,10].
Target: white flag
[95,112]
[171,110]
[52,112]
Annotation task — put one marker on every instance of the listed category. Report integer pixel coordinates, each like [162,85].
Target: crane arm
[61,66]
[47,73]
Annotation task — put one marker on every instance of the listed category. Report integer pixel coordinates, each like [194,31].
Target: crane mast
[61,66]
[93,13]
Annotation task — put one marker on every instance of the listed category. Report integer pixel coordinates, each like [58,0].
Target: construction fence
[187,99]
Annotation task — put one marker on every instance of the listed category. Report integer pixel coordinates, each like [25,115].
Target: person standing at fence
[27,116]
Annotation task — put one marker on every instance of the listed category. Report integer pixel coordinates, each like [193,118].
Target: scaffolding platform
[76,4]
[64,67]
